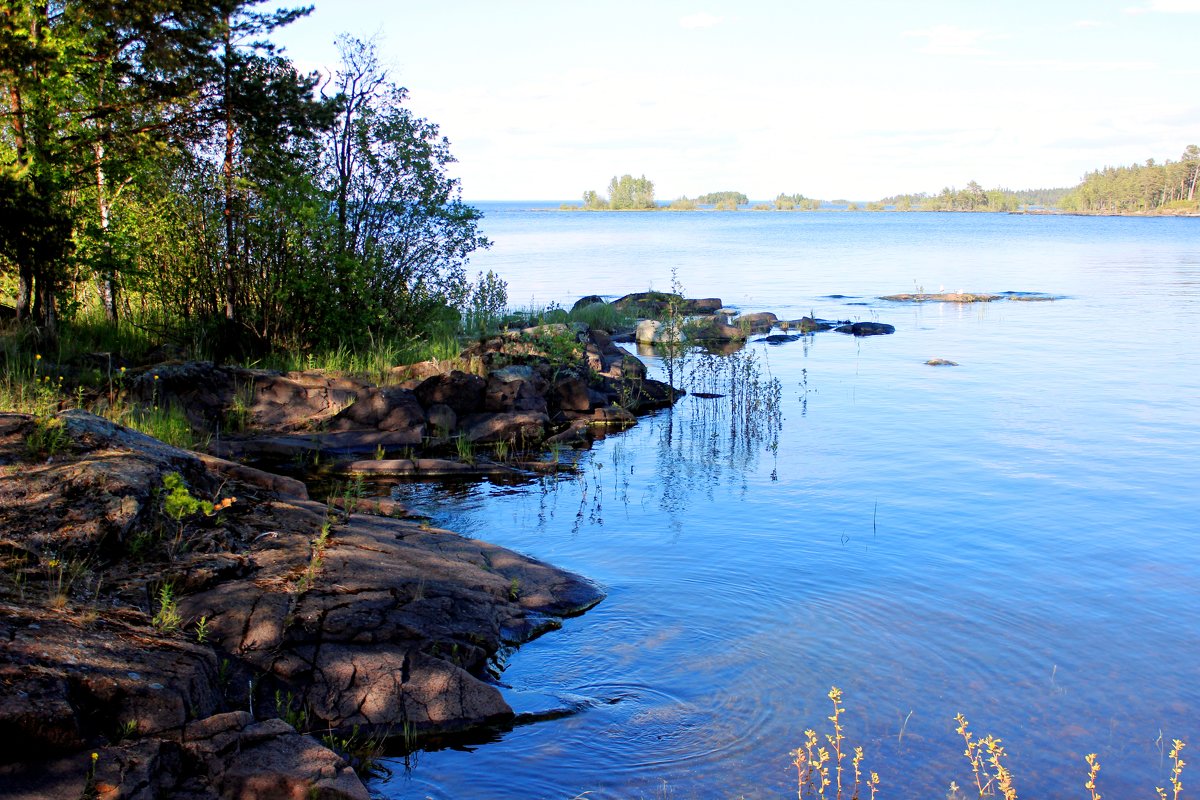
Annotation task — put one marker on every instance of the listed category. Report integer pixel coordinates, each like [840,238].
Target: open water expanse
[1016,538]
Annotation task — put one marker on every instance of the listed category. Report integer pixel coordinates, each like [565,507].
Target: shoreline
[178,620]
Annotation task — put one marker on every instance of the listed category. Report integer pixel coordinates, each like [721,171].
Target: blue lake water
[1014,538]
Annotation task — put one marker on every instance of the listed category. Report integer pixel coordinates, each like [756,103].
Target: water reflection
[1012,539]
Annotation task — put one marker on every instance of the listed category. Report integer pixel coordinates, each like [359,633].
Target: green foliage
[726,204]
[167,619]
[604,316]
[465,449]
[713,198]
[362,752]
[560,348]
[178,502]
[594,202]
[792,202]
[486,305]
[1148,187]
[974,198]
[166,422]
[683,204]
[174,163]
[48,437]
[291,710]
[629,193]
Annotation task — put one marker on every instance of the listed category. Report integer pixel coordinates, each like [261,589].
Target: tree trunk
[24,291]
[44,311]
[106,282]
[227,171]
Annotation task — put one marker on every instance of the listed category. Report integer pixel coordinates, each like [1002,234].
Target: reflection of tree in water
[717,434]
[714,436]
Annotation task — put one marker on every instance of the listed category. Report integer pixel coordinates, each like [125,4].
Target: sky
[855,99]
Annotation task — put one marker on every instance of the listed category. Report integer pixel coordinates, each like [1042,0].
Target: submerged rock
[941,297]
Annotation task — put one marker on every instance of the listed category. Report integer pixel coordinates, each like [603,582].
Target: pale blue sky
[542,100]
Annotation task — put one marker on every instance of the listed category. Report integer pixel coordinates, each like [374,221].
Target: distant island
[1168,189]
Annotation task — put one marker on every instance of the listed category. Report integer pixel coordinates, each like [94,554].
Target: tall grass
[373,361]
[603,316]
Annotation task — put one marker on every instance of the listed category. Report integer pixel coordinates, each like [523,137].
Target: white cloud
[1061,65]
[949,40]
[1167,7]
[701,19]
[1089,23]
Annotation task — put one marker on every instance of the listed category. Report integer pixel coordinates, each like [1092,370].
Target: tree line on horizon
[161,159]
[1144,187]
[1140,188]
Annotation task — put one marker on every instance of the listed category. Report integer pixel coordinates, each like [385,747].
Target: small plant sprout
[167,619]
[202,630]
[89,786]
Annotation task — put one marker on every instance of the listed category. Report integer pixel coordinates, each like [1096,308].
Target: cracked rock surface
[279,607]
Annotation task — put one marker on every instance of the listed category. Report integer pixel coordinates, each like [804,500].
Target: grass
[465,449]
[31,384]
[374,361]
[602,316]
[362,752]
[316,558]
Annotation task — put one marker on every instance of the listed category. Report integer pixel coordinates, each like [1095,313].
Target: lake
[1015,538]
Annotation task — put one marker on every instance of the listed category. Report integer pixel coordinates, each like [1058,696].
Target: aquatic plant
[812,761]
[361,752]
[820,768]
[465,449]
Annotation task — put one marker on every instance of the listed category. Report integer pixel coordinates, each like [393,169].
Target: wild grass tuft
[373,361]
[603,316]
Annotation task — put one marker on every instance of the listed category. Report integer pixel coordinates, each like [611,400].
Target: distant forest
[1138,189]
[1148,187]
[974,197]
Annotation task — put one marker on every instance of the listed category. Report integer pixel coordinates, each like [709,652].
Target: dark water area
[1014,538]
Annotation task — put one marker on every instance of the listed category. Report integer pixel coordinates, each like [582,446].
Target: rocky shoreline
[192,624]
[177,623]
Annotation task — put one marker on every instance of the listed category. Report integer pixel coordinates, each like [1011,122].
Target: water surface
[1014,538]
